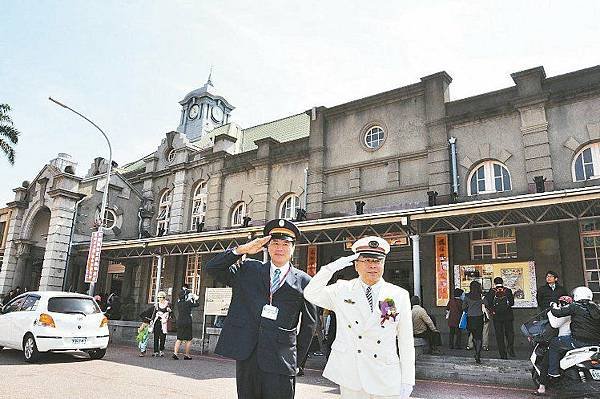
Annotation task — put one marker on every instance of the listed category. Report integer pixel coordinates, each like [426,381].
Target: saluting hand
[253,247]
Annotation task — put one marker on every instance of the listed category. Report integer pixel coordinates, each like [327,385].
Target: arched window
[489,177]
[199,205]
[289,205]
[238,214]
[586,164]
[374,137]
[164,213]
[171,155]
[110,219]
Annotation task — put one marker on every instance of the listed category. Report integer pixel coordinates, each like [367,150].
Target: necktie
[275,280]
[370,297]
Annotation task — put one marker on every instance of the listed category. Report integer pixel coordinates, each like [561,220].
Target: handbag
[463,321]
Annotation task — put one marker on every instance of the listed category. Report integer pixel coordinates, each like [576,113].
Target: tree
[9,135]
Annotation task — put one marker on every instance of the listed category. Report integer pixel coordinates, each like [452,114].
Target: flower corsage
[388,309]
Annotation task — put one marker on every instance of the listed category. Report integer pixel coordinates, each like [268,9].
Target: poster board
[442,272]
[217,301]
[311,260]
[518,276]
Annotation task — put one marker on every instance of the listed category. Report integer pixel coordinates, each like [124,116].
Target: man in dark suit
[549,292]
[260,331]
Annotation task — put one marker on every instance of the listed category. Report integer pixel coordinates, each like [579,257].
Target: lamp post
[108,171]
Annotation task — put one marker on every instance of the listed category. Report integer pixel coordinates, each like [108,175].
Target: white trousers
[352,394]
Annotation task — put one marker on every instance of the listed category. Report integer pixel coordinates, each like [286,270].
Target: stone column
[64,195]
[9,265]
[436,88]
[534,125]
[262,170]
[178,203]
[316,178]
[214,199]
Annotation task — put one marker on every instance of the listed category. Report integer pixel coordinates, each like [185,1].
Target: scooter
[579,368]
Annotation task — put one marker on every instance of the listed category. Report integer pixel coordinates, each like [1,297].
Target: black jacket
[545,295]
[504,312]
[585,320]
[277,344]
[184,311]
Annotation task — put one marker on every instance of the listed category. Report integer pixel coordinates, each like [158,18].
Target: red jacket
[455,308]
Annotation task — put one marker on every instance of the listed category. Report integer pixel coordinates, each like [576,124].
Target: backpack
[500,302]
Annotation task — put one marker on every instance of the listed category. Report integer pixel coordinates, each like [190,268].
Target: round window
[110,218]
[374,137]
[171,156]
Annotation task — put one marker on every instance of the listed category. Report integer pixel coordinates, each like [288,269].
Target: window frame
[199,204]
[380,141]
[165,204]
[489,178]
[294,205]
[171,155]
[588,273]
[595,163]
[243,211]
[193,273]
[153,273]
[493,242]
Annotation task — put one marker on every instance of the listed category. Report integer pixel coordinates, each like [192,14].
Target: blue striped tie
[370,298]
[275,280]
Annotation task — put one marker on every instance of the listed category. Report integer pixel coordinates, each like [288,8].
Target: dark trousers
[159,337]
[432,337]
[504,330]
[455,337]
[253,383]
[558,347]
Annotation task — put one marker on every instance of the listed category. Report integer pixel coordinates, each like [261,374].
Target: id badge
[270,312]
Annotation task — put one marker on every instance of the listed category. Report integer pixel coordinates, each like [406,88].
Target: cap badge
[373,244]
[281,223]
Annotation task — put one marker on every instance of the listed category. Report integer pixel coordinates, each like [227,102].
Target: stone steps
[514,373]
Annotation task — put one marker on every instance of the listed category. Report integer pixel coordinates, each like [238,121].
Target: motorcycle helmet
[565,300]
[582,294]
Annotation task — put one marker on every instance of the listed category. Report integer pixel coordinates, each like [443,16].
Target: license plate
[79,341]
[595,374]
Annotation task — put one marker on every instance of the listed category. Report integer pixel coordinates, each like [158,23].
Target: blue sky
[126,64]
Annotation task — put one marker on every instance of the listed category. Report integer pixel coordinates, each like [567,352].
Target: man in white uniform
[372,315]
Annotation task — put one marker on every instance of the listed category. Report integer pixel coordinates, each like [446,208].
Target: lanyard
[280,283]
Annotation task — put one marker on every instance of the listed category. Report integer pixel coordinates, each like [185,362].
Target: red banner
[311,261]
[442,272]
[93,262]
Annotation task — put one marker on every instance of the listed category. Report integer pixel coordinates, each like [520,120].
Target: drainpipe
[139,223]
[305,189]
[73,221]
[158,275]
[452,141]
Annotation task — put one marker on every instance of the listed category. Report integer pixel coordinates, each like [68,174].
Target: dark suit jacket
[545,295]
[277,344]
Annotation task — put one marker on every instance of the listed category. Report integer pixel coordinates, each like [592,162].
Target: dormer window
[489,177]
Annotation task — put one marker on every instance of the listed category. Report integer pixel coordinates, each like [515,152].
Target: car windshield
[83,306]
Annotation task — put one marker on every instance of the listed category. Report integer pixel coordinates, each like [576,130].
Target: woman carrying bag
[474,308]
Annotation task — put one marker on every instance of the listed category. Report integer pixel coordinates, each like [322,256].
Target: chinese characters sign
[442,274]
[93,262]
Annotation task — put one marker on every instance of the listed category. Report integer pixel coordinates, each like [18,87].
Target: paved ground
[121,374]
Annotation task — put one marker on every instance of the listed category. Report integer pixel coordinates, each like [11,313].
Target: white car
[51,321]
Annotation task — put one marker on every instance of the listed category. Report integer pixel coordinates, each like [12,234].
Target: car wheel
[97,353]
[30,351]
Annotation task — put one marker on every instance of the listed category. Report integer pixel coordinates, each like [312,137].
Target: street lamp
[108,171]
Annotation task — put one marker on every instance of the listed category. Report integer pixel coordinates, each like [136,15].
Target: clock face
[194,111]
[217,114]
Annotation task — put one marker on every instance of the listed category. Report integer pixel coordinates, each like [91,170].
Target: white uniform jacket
[363,356]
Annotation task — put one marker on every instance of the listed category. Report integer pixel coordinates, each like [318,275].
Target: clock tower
[202,110]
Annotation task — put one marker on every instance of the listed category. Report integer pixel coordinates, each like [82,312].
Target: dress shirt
[375,288]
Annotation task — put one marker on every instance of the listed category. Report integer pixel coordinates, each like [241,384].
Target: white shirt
[375,288]
[284,269]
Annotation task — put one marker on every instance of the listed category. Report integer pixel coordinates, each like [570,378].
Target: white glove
[405,390]
[341,263]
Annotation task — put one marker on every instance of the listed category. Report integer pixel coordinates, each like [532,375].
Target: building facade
[499,184]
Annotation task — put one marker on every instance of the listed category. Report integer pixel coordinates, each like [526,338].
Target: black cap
[282,229]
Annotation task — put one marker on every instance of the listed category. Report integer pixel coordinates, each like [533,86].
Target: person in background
[423,326]
[8,297]
[453,315]
[473,305]
[186,302]
[500,301]
[159,323]
[564,330]
[550,292]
